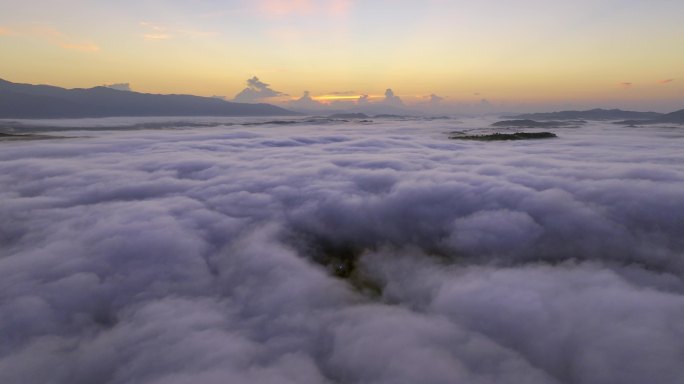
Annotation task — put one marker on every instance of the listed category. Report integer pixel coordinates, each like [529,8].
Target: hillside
[593,114]
[26,101]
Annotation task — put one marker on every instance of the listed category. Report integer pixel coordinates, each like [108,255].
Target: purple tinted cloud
[195,255]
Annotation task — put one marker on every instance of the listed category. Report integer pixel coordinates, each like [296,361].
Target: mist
[330,251]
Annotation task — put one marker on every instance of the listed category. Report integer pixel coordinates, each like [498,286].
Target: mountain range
[676,117]
[27,101]
[592,114]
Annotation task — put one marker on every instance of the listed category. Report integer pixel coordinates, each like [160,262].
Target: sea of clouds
[341,252]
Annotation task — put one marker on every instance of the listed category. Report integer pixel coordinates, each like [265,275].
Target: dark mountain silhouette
[593,114]
[526,123]
[28,101]
[676,117]
[349,116]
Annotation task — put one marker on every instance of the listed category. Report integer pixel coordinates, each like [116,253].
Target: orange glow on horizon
[535,52]
[329,98]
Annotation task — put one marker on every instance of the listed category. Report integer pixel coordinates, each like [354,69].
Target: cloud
[666,81]
[212,254]
[305,102]
[626,85]
[155,32]
[5,31]
[120,86]
[435,100]
[157,36]
[392,99]
[306,96]
[256,91]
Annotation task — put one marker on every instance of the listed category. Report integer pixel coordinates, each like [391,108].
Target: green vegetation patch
[26,136]
[506,136]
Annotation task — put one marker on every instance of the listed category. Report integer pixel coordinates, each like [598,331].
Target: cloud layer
[213,255]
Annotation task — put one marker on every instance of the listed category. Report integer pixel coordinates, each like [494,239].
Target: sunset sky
[615,52]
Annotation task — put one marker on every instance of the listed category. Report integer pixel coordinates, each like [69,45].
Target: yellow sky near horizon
[528,51]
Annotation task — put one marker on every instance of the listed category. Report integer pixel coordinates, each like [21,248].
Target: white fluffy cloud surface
[342,253]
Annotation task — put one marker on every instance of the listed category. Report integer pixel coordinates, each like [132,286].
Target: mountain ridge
[591,114]
[676,117]
[28,101]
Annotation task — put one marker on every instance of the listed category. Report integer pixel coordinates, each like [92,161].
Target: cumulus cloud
[392,99]
[120,86]
[305,102]
[256,91]
[334,252]
[435,100]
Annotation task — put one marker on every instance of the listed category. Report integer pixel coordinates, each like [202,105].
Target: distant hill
[349,116]
[593,114]
[526,123]
[676,117]
[26,101]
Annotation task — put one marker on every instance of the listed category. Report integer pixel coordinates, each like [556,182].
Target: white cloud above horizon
[257,91]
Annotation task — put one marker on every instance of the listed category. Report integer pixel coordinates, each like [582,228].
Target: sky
[515,53]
